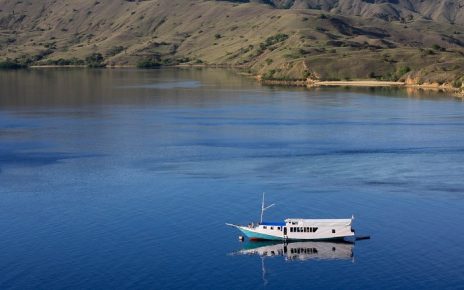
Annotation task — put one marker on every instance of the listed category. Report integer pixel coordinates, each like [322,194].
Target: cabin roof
[277,224]
[319,220]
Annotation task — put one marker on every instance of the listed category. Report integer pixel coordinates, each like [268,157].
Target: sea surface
[125,178]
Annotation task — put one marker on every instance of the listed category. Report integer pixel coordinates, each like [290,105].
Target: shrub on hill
[114,50]
[273,40]
[65,61]
[95,60]
[148,63]
[11,64]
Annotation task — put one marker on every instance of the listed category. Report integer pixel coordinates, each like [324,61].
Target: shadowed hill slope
[312,39]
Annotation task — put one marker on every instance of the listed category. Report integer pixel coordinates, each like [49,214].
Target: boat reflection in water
[297,251]
[301,251]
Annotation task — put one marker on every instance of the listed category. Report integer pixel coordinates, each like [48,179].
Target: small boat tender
[298,229]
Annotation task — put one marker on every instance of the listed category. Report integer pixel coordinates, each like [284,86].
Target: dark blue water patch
[253,121]
[279,150]
[447,188]
[423,150]
[388,182]
[65,114]
[24,143]
[25,158]
[12,123]
[12,133]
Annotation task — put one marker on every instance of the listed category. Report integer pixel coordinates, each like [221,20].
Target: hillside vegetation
[421,41]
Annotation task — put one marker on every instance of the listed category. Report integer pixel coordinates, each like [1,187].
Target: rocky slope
[418,40]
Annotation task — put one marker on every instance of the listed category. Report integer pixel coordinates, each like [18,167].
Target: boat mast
[264,208]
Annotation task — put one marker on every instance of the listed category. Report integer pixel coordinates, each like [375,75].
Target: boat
[299,251]
[297,229]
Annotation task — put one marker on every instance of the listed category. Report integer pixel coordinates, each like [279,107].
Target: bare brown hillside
[314,39]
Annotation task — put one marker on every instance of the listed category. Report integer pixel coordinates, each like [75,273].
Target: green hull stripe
[253,235]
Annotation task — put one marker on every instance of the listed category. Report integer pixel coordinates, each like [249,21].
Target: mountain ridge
[448,11]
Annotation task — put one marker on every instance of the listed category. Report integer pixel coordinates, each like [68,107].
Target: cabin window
[313,229]
[333,231]
[301,229]
[272,228]
[278,228]
[264,227]
[291,230]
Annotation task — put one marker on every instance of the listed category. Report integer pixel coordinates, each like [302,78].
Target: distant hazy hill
[278,39]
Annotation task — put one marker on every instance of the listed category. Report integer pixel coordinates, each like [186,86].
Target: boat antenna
[263,208]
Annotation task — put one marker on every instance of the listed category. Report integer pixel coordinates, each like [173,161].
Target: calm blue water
[124,179]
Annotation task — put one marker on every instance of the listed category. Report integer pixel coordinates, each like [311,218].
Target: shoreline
[313,83]
[134,66]
[457,92]
[364,83]
[408,84]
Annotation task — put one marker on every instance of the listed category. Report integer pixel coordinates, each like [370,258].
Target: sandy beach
[367,83]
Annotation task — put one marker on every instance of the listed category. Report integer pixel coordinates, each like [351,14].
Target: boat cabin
[306,229]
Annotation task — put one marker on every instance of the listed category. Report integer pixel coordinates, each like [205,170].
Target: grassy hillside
[274,43]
